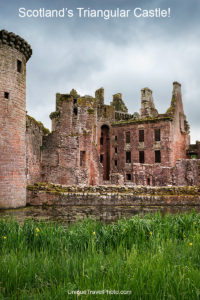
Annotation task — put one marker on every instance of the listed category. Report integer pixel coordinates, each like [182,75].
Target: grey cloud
[121,55]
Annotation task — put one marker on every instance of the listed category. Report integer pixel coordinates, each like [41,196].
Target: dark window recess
[157,135]
[128,157]
[128,137]
[116,138]
[101,158]
[116,150]
[128,177]
[157,156]
[75,111]
[75,101]
[115,162]
[101,141]
[148,181]
[82,158]
[19,66]
[141,157]
[141,136]
[6,95]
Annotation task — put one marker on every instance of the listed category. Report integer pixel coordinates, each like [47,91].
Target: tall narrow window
[101,141]
[157,135]
[115,137]
[157,156]
[82,158]
[75,111]
[141,157]
[128,177]
[128,157]
[115,162]
[19,66]
[101,158]
[116,150]
[141,136]
[128,138]
[6,95]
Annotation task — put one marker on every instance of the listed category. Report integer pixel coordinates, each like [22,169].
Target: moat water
[68,215]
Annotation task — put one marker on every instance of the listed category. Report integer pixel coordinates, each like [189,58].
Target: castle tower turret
[14,53]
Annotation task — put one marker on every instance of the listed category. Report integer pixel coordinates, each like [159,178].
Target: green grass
[152,256]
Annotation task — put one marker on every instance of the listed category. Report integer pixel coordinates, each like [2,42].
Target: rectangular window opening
[19,66]
[101,141]
[141,136]
[101,158]
[82,158]
[115,162]
[6,95]
[116,150]
[128,137]
[157,156]
[157,135]
[116,138]
[128,157]
[75,111]
[128,177]
[141,157]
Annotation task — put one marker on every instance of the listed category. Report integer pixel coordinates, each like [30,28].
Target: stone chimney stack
[176,88]
[147,104]
[99,95]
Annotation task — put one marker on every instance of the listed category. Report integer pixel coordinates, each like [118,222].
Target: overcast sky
[121,55]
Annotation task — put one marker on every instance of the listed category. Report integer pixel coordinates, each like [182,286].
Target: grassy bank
[154,257]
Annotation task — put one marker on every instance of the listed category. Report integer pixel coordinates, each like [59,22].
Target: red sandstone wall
[12,128]
[179,134]
[148,146]
[73,134]
[34,134]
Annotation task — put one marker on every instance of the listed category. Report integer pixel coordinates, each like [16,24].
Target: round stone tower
[14,53]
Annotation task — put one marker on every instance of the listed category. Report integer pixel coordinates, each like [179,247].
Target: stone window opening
[19,66]
[141,136]
[157,135]
[105,133]
[116,150]
[101,158]
[128,177]
[141,157]
[157,156]
[148,181]
[75,111]
[101,140]
[6,95]
[128,157]
[128,137]
[82,158]
[116,138]
[115,162]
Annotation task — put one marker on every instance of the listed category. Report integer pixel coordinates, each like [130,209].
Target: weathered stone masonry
[14,53]
[91,143]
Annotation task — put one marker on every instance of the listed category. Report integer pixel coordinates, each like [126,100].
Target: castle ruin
[90,143]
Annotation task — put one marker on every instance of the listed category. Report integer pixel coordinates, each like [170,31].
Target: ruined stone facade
[90,143]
